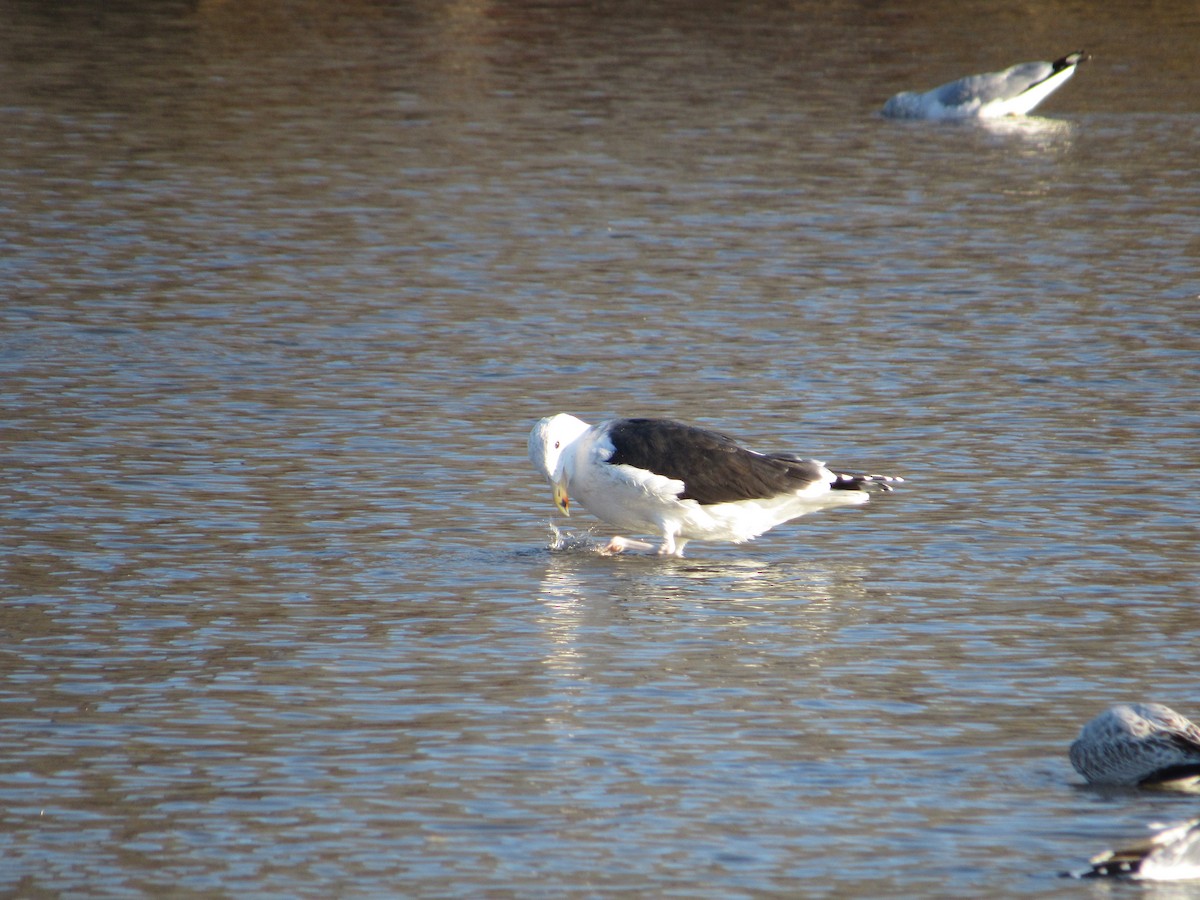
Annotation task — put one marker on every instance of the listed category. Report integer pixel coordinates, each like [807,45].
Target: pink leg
[622,544]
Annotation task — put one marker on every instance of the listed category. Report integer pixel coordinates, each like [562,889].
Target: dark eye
[557,444]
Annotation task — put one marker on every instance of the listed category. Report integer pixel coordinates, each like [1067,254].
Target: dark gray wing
[711,465]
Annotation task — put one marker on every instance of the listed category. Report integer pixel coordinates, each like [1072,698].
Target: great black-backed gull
[1171,854]
[1144,744]
[1013,92]
[681,482]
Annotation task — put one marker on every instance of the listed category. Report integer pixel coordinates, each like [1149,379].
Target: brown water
[284,288]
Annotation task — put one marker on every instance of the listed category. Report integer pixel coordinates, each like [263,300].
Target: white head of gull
[1013,92]
[683,483]
[1139,744]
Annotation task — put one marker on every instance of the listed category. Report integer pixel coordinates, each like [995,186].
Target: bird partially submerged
[683,483]
[1171,854]
[1139,744]
[1012,92]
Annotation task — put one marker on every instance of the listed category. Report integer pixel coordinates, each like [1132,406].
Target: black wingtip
[854,482]
[1071,59]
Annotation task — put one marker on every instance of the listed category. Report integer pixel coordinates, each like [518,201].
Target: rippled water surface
[284,288]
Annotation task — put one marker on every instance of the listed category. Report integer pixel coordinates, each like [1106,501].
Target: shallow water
[285,288]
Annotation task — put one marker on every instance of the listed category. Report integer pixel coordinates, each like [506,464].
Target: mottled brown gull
[1139,744]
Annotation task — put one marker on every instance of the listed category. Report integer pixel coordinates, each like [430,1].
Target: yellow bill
[561,500]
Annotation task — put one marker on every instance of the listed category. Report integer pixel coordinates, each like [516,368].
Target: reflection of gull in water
[1033,128]
[1172,854]
[1013,92]
[1139,744]
[745,580]
[723,610]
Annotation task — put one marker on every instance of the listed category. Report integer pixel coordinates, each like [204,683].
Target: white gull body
[681,483]
[1013,92]
[1135,744]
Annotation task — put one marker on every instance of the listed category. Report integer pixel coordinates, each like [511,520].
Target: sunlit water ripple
[280,615]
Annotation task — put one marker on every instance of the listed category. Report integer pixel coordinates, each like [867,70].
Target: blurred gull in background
[1013,92]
